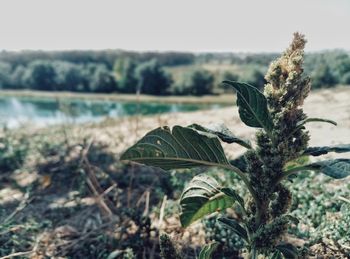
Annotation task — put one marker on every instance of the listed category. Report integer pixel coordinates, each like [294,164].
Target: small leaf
[181,148]
[252,105]
[317,151]
[223,133]
[303,122]
[336,168]
[229,191]
[235,227]
[277,255]
[202,197]
[288,250]
[207,250]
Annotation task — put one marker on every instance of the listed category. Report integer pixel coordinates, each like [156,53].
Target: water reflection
[16,111]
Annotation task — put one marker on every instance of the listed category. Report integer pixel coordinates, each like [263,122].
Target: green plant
[281,143]
[13,151]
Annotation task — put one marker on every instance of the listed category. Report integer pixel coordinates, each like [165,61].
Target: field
[64,193]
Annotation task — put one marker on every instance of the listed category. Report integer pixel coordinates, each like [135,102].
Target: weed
[281,142]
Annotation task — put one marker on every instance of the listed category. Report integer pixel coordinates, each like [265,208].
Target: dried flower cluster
[285,90]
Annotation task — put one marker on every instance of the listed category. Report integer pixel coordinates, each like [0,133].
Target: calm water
[16,111]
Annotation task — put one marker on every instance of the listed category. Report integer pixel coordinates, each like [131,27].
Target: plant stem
[252,192]
[292,171]
[253,254]
[246,182]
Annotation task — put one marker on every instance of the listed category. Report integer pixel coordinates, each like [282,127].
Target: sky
[178,25]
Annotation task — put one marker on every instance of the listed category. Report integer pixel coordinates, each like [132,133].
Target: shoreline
[207,99]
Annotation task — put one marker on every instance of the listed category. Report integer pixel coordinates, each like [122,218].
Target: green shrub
[323,77]
[152,79]
[252,75]
[197,82]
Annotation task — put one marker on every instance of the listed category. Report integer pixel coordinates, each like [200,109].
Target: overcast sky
[185,25]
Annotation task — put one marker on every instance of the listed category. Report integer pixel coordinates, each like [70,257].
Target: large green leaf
[336,168]
[207,251]
[288,250]
[229,191]
[234,226]
[201,197]
[180,148]
[317,151]
[223,133]
[252,105]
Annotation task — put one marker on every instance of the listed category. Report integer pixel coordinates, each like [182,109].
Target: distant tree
[102,80]
[5,72]
[342,68]
[124,70]
[197,82]
[70,77]
[202,82]
[152,79]
[41,75]
[17,77]
[322,77]
[230,76]
[253,75]
[346,78]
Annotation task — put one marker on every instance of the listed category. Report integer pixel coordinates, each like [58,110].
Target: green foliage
[69,70]
[13,151]
[328,68]
[5,72]
[281,142]
[19,236]
[336,168]
[337,230]
[152,79]
[180,148]
[207,251]
[317,151]
[252,75]
[323,77]
[252,105]
[229,241]
[125,74]
[201,197]
[197,82]
[101,80]
[288,251]
[223,133]
[235,227]
[41,75]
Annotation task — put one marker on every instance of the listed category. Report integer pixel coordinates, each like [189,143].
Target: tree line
[152,73]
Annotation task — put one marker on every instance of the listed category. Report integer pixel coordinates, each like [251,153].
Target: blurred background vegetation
[155,73]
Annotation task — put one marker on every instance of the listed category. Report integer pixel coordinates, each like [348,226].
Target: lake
[15,111]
